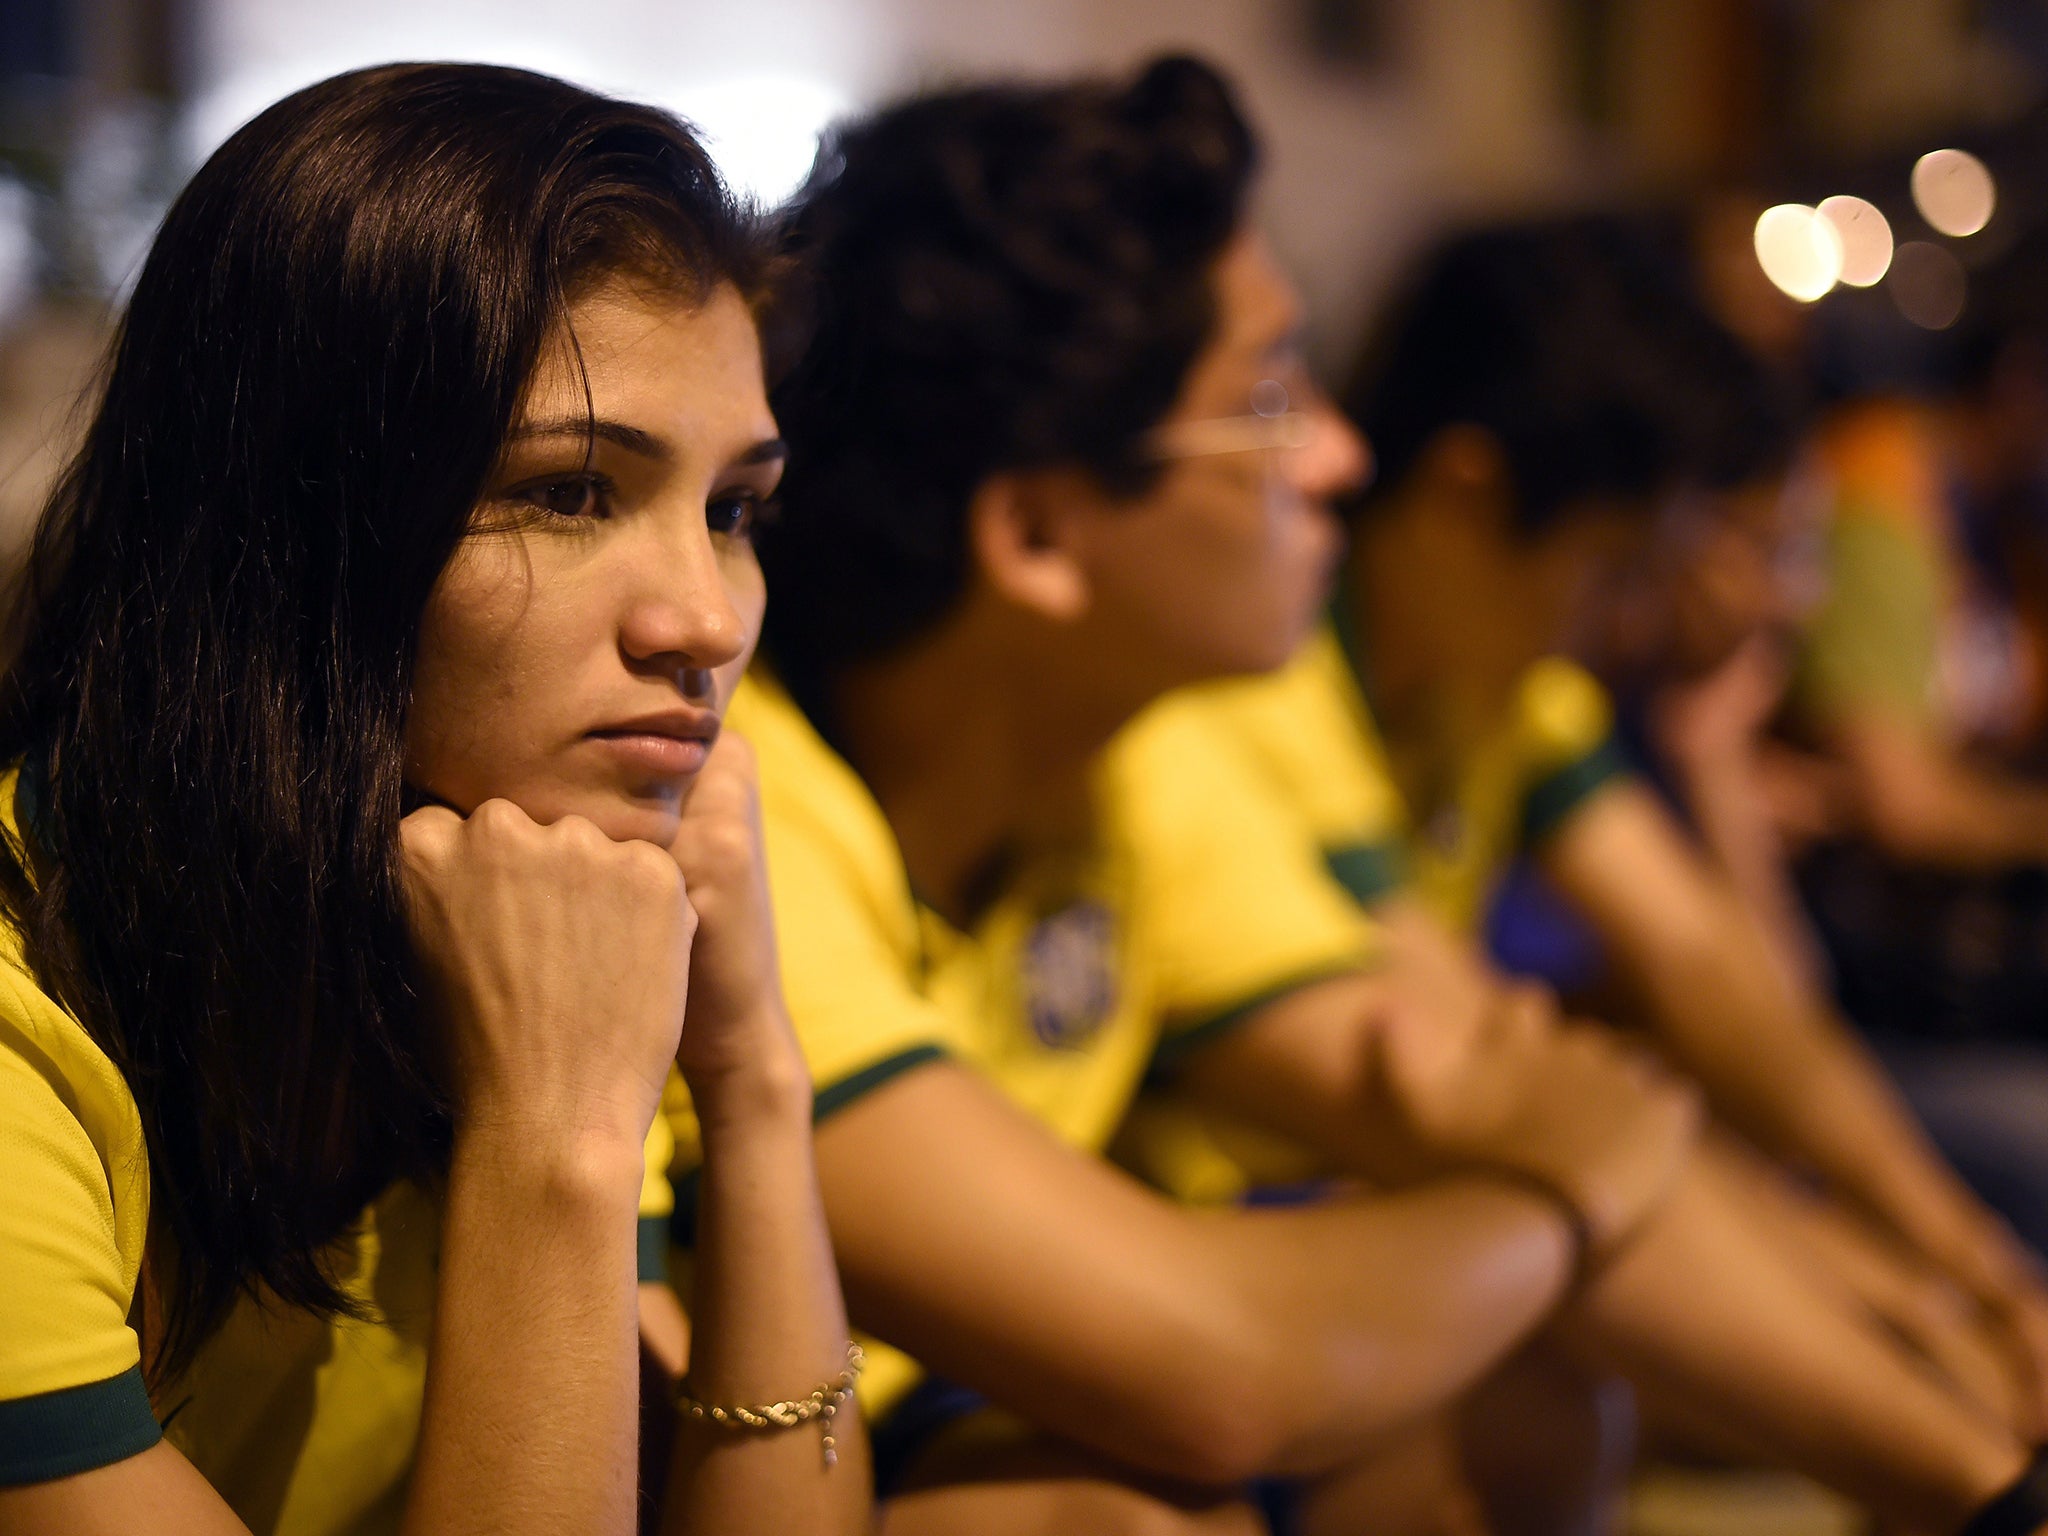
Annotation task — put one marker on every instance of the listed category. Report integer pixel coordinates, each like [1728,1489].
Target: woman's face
[578,652]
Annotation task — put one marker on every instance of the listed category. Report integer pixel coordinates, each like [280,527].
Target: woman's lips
[663,748]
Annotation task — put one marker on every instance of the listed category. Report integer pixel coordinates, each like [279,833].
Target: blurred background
[1385,120]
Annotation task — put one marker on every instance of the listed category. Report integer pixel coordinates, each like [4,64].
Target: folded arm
[1211,1346]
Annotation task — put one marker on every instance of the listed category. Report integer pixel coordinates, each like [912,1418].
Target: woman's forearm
[530,1417]
[767,1324]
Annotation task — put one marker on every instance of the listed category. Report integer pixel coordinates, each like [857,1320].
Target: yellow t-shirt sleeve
[1234,904]
[71,1391]
[1565,732]
[849,966]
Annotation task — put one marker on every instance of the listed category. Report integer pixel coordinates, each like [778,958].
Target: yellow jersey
[305,1426]
[1310,731]
[1163,921]
[1305,749]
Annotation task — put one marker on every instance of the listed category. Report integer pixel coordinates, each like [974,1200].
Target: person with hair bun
[1028,305]
[373,859]
[1055,452]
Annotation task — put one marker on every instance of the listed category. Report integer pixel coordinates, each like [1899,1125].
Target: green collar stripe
[1551,801]
[1369,871]
[829,1101]
[75,1429]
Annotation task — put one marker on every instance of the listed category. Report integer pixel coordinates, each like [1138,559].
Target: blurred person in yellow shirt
[1055,453]
[1548,396]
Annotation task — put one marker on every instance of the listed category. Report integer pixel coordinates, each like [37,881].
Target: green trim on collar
[827,1101]
[1369,871]
[1552,800]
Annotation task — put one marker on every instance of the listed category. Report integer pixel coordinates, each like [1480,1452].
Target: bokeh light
[17,249]
[1928,285]
[1866,239]
[1954,191]
[1799,251]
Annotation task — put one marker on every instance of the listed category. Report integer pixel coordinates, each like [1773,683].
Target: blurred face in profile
[577,653]
[1222,565]
[1725,568]
[1572,578]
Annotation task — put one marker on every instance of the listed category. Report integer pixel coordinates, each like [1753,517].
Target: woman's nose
[681,611]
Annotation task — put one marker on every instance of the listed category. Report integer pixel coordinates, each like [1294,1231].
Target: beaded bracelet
[823,1404]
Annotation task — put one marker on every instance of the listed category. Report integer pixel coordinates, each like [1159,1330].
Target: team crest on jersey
[1069,974]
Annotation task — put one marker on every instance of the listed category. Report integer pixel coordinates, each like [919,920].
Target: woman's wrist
[768,1097]
[756,1078]
[523,1157]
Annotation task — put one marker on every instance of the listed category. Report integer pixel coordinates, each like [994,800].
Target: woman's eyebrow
[632,439]
[769,450]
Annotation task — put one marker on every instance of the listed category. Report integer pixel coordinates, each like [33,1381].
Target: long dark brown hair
[215,635]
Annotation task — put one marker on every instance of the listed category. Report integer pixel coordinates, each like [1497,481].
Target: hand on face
[556,964]
[574,660]
[736,1023]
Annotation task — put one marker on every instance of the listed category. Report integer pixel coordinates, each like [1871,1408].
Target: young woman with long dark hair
[372,858]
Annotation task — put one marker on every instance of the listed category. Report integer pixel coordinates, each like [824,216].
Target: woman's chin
[627,819]
[623,817]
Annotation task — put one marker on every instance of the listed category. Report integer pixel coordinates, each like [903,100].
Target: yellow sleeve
[71,1390]
[1234,905]
[1310,731]
[1565,722]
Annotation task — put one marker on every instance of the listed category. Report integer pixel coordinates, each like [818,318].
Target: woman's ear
[1019,540]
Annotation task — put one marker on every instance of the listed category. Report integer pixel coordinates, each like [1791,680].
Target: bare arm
[1923,803]
[544,1259]
[1775,1060]
[1207,1346]
[1700,1301]
[769,1325]
[1710,732]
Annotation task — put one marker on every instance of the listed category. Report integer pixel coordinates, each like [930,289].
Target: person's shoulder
[1562,711]
[1303,733]
[1173,767]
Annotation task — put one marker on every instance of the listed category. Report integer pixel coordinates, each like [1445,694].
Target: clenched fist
[557,965]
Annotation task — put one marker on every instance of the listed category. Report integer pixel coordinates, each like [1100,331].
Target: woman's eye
[579,496]
[735,514]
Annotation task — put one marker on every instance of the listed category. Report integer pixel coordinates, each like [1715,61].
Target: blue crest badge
[1068,974]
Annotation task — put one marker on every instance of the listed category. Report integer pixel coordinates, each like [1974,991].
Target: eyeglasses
[1270,423]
